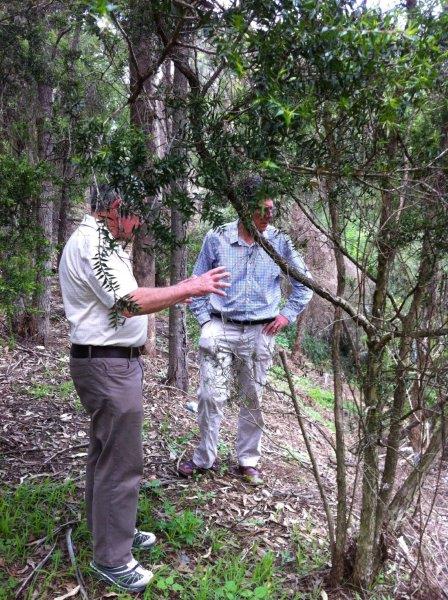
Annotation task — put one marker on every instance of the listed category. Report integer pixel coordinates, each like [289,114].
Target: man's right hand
[211,282]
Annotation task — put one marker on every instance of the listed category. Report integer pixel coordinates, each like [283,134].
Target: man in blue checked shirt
[238,330]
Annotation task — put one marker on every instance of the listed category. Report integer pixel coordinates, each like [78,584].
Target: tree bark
[297,353]
[68,170]
[177,347]
[64,206]
[42,298]
[143,116]
[426,271]
[366,550]
[338,559]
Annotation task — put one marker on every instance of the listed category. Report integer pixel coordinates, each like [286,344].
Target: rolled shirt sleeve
[300,295]
[200,307]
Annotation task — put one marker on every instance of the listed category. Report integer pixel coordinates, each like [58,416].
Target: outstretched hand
[211,282]
[275,326]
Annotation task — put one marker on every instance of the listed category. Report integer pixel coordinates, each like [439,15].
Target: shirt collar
[233,232]
[89,221]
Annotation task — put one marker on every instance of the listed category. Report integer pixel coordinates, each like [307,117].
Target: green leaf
[231,586]
[269,164]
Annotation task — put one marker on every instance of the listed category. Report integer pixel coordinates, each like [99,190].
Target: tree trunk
[177,346]
[68,170]
[42,298]
[297,353]
[143,116]
[177,366]
[410,322]
[64,207]
[338,559]
[366,550]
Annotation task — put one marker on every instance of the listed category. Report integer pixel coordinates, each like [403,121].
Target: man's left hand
[275,326]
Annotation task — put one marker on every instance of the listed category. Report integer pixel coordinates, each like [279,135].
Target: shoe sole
[214,469]
[147,547]
[251,481]
[103,577]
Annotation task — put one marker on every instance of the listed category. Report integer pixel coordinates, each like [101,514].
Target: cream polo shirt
[87,301]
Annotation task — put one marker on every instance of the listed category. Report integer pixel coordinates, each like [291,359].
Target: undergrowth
[216,567]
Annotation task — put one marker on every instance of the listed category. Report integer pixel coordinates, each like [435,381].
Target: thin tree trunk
[297,352]
[143,116]
[42,297]
[177,365]
[426,271]
[177,345]
[310,452]
[68,170]
[338,559]
[366,549]
[64,207]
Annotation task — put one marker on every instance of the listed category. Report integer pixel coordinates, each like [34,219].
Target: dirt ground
[43,434]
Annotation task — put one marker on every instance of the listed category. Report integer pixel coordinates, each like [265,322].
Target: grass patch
[181,528]
[229,578]
[7,585]
[30,512]
[40,391]
[321,396]
[312,552]
[317,350]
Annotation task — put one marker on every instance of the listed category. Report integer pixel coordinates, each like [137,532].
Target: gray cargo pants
[110,389]
[247,351]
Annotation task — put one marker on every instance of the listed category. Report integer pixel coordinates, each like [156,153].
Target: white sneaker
[143,539]
[131,577]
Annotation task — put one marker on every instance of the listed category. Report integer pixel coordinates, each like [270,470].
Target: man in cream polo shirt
[107,373]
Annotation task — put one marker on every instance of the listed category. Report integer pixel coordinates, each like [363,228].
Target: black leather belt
[80,351]
[238,322]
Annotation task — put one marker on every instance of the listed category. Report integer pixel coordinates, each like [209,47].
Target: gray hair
[251,189]
[102,196]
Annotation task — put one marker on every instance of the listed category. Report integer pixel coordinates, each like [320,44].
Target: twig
[71,553]
[176,389]
[309,449]
[38,543]
[14,366]
[36,352]
[35,571]
[83,445]
[179,459]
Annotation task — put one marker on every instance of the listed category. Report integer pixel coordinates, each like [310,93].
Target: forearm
[200,308]
[151,300]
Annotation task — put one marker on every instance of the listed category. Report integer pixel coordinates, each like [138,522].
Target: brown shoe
[188,468]
[251,475]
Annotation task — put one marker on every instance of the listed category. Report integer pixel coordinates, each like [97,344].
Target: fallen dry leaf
[69,594]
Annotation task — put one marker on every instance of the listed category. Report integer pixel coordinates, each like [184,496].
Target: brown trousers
[110,389]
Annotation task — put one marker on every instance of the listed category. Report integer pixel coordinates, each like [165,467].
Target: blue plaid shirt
[255,291]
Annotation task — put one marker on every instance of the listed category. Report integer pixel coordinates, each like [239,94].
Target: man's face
[263,215]
[122,227]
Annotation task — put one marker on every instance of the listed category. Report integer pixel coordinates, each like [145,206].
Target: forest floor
[217,536]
